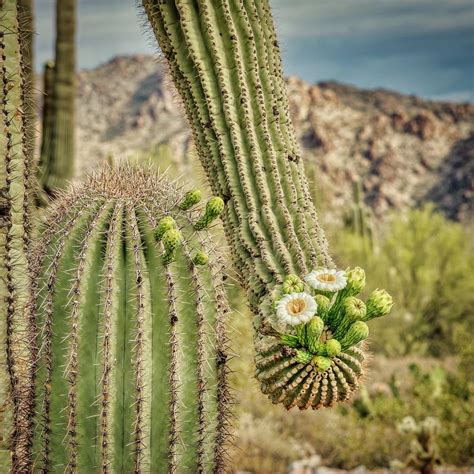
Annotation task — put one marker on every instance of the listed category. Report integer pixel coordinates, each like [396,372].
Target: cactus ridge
[153,331]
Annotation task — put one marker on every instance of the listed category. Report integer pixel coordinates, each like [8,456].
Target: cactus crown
[113,295]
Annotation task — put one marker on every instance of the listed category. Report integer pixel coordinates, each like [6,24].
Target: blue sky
[422,47]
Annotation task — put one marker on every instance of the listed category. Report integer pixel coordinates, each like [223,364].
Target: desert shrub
[425,262]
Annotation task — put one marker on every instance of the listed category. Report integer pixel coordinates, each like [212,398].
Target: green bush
[425,262]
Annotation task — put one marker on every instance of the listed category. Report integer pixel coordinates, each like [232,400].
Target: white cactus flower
[296,308]
[325,279]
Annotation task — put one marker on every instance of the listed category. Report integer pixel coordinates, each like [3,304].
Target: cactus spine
[15,195]
[225,62]
[132,362]
[57,149]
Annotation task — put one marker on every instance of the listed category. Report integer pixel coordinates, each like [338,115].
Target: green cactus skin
[132,373]
[16,190]
[57,150]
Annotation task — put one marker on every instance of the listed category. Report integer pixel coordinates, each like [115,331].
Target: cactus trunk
[225,62]
[57,149]
[15,196]
[132,366]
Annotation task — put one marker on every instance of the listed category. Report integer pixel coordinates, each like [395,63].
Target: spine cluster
[132,373]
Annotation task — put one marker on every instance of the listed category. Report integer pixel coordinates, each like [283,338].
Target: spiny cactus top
[225,62]
[130,305]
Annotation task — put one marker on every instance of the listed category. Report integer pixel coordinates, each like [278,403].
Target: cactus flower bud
[214,207]
[333,347]
[357,332]
[289,340]
[314,330]
[191,198]
[354,308]
[355,281]
[324,304]
[164,224]
[200,258]
[303,356]
[292,284]
[321,363]
[379,303]
[171,241]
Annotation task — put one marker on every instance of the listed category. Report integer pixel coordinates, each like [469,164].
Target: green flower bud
[171,241]
[165,224]
[324,304]
[354,308]
[303,356]
[314,329]
[191,198]
[321,363]
[355,281]
[214,207]
[333,347]
[379,303]
[289,340]
[200,258]
[292,284]
[356,333]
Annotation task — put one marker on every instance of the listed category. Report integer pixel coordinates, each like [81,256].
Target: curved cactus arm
[225,63]
[230,79]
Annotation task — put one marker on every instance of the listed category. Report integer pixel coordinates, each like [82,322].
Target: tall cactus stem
[16,190]
[57,150]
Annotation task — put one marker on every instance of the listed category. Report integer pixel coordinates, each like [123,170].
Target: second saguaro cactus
[225,62]
[57,150]
[131,373]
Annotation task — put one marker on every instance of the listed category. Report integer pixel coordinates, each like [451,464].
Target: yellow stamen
[326,277]
[296,306]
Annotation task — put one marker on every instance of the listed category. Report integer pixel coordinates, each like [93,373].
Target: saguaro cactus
[57,150]
[15,194]
[225,62]
[132,362]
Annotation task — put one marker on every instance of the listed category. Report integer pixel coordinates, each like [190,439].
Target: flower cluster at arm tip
[319,316]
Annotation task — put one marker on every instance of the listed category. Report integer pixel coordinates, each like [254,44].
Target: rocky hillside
[404,149]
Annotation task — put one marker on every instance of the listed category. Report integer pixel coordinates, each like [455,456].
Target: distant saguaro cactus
[225,62]
[132,373]
[57,149]
[16,337]
[359,218]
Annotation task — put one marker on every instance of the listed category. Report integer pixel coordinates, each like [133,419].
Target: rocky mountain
[405,150]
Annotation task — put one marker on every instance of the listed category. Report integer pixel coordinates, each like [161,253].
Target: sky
[421,47]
